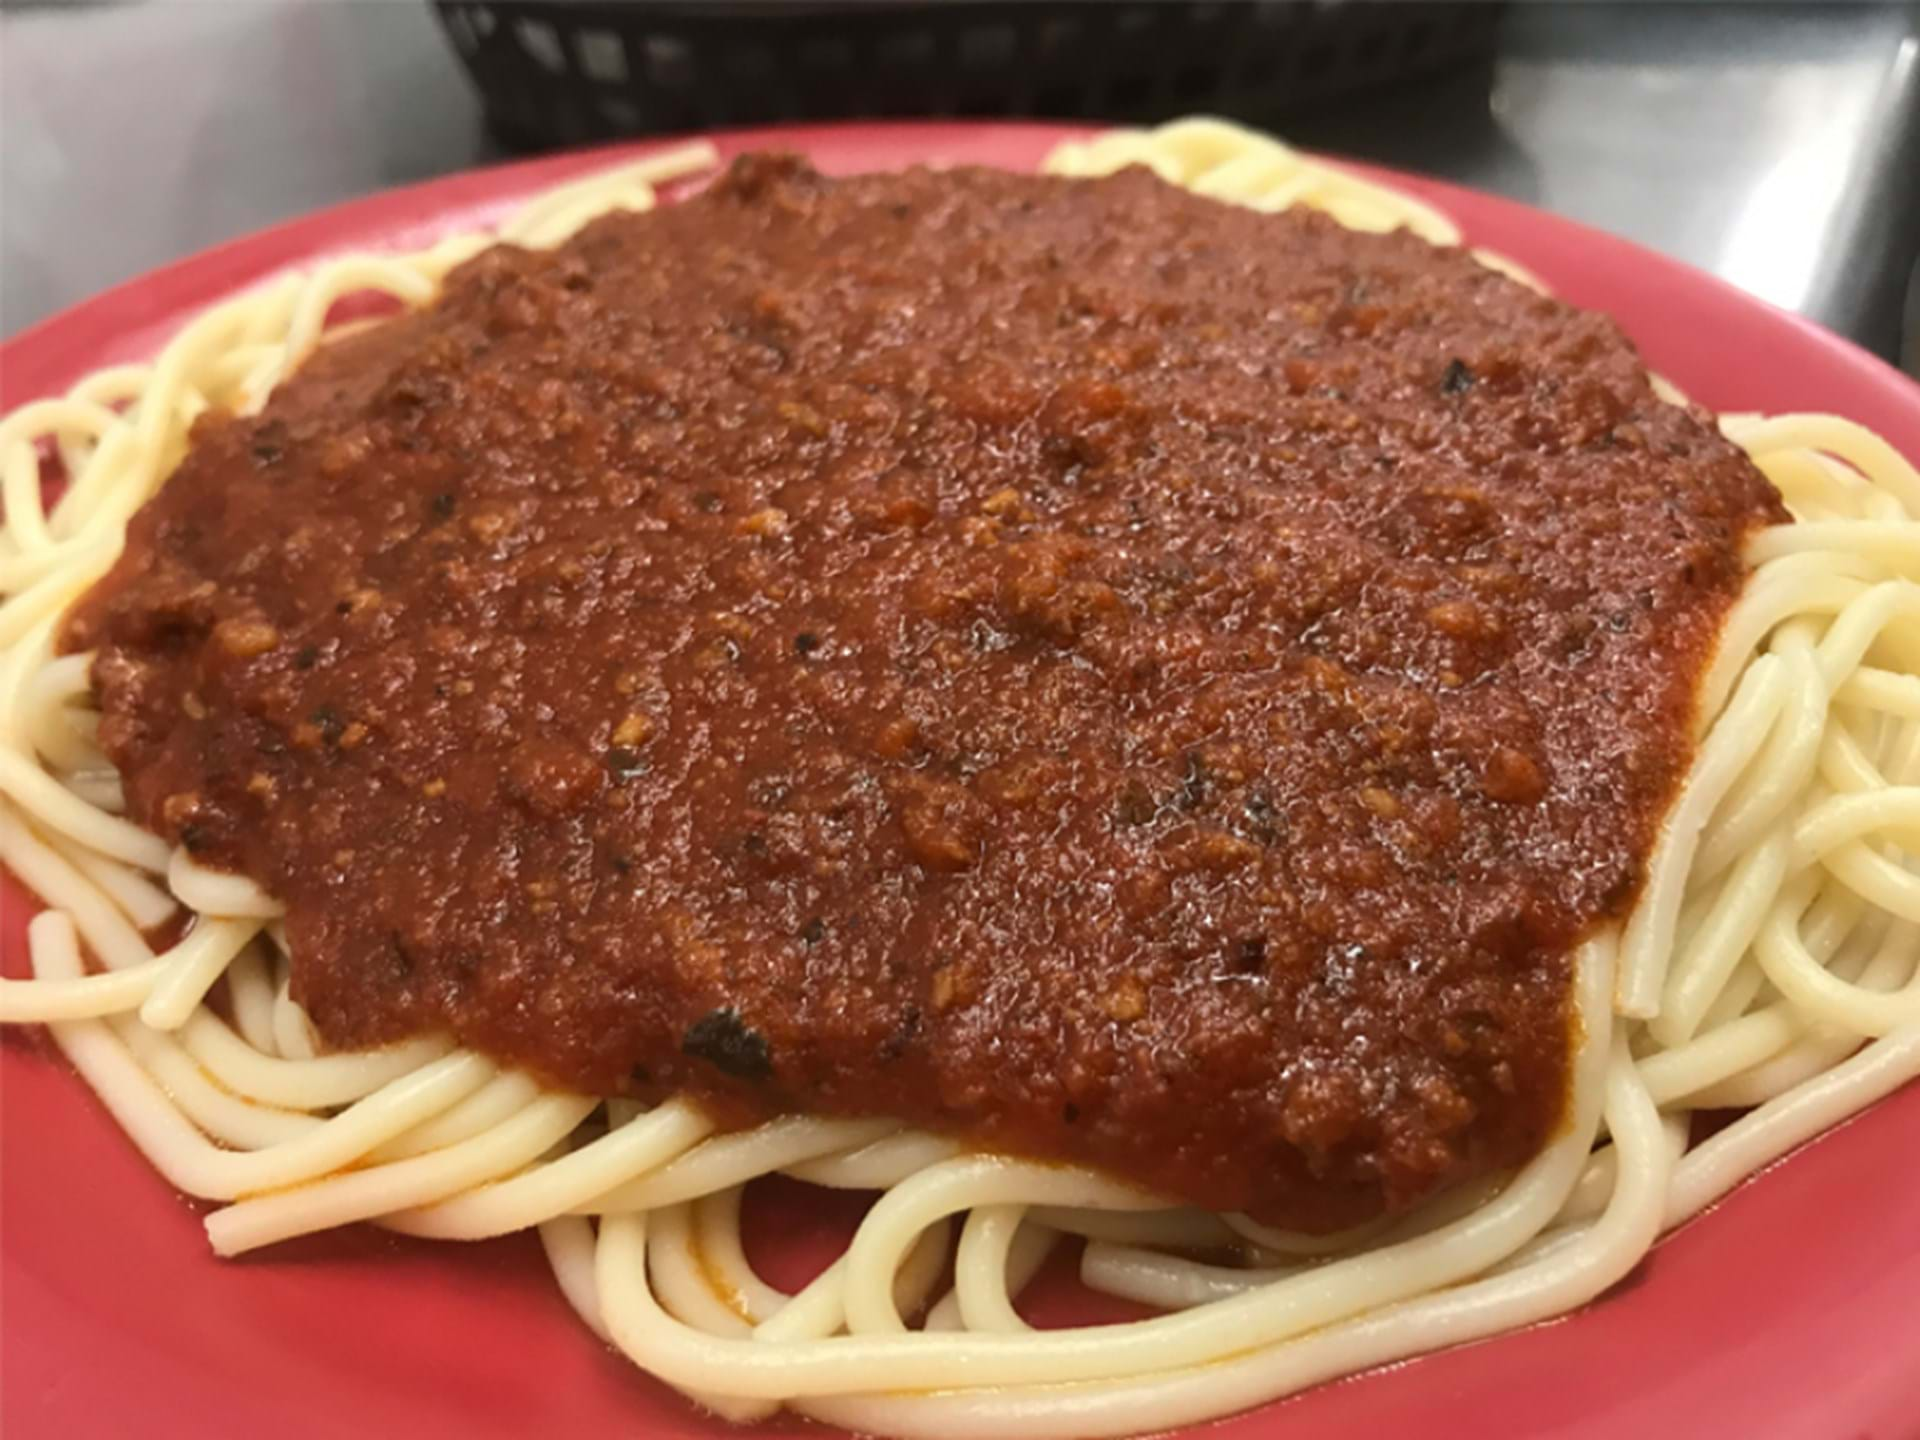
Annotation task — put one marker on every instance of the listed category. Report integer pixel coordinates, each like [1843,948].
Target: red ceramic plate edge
[1794,1311]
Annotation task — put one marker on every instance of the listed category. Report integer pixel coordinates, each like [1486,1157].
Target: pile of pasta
[1769,967]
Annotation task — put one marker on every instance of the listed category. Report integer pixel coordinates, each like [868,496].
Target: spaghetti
[1770,966]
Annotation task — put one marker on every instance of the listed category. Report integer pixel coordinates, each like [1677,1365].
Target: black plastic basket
[562,73]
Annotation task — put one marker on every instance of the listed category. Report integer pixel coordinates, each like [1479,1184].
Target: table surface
[1775,145]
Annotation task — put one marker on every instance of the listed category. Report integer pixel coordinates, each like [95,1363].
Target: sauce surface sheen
[1068,663]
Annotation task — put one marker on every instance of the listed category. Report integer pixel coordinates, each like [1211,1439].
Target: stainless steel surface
[1777,145]
[132,134]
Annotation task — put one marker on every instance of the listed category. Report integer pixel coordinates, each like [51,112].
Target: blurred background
[1776,145]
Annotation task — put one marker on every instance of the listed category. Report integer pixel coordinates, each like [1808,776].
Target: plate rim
[169,291]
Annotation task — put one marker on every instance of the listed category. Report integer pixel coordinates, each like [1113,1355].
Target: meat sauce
[1070,664]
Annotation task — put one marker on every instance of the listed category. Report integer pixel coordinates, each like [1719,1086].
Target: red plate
[1793,1311]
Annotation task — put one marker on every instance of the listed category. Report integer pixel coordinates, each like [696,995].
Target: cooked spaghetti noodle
[1769,966]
